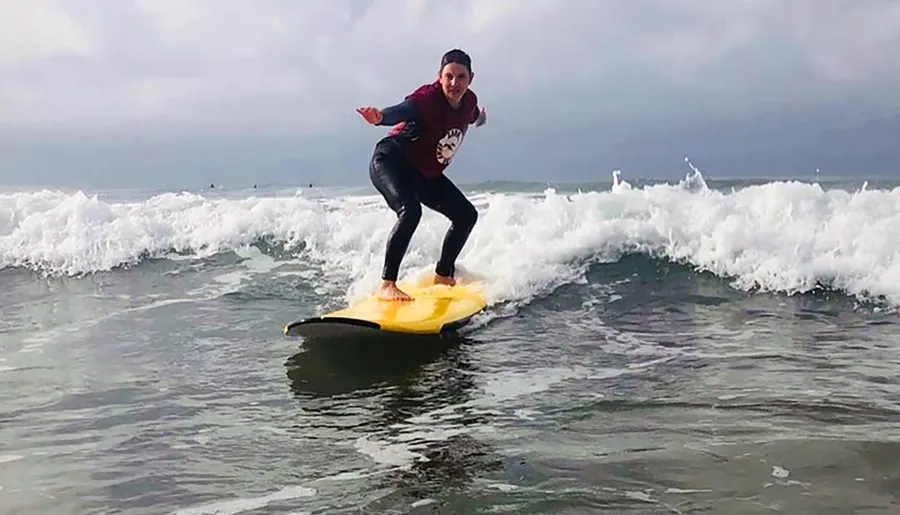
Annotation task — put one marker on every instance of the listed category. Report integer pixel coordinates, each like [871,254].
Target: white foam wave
[240,505]
[782,236]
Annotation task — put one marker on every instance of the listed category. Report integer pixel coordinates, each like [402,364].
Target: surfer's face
[455,79]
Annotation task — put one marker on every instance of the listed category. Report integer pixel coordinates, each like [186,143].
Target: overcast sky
[187,92]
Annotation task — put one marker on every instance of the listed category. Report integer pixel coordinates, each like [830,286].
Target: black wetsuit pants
[405,190]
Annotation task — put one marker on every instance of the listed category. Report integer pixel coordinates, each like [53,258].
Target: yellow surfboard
[434,309]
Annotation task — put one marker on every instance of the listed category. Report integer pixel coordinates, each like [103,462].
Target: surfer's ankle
[442,279]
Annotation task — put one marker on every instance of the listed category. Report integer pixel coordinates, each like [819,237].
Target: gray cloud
[295,70]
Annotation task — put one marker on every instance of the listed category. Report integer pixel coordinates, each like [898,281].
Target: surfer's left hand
[482,117]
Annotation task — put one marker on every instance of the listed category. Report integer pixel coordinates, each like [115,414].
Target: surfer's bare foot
[440,279]
[389,291]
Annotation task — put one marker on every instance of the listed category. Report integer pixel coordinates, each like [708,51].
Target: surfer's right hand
[370,114]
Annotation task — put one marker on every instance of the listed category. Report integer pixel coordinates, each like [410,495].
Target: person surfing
[407,165]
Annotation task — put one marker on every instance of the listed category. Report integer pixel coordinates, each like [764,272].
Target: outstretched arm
[403,112]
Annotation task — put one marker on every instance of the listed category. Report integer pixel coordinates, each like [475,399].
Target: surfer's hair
[457,56]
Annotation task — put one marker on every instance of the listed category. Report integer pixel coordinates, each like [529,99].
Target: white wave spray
[788,237]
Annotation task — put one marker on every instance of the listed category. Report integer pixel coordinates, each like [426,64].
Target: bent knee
[468,216]
[410,211]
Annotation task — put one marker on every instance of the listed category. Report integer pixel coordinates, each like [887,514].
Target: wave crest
[781,236]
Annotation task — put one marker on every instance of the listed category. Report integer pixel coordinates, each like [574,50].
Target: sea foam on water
[782,236]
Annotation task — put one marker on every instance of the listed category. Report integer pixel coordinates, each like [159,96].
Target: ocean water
[692,347]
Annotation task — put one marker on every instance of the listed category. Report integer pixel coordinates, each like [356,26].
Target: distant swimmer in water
[408,164]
